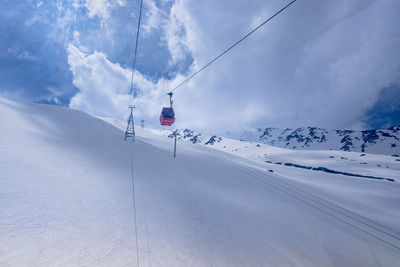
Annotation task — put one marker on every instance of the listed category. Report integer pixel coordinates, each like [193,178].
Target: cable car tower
[130,129]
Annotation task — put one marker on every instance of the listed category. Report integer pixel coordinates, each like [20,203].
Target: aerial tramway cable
[167,117]
[174,89]
[135,52]
[130,127]
[374,229]
[232,46]
[225,51]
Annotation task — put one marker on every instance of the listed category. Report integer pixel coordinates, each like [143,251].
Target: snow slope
[352,163]
[66,200]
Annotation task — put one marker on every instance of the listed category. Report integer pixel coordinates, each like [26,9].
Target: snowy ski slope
[352,163]
[66,200]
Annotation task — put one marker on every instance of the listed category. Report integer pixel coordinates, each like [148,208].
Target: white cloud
[98,8]
[153,17]
[22,54]
[181,32]
[104,86]
[299,70]
[76,37]
[322,68]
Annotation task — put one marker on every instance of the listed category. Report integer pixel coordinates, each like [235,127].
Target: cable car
[167,117]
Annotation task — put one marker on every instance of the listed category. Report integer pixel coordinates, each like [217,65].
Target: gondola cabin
[167,116]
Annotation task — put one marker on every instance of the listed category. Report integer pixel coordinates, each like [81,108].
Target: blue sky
[332,64]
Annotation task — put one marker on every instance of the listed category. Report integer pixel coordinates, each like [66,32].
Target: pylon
[130,128]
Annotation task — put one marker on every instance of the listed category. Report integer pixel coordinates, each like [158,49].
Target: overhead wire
[200,70]
[232,46]
[195,74]
[222,53]
[320,204]
[135,52]
[259,26]
[134,205]
[131,145]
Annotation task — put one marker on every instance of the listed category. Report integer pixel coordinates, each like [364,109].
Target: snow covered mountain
[331,161]
[311,138]
[66,197]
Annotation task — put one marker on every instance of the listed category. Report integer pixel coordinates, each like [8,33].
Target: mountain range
[310,138]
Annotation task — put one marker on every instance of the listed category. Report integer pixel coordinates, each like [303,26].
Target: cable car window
[168,112]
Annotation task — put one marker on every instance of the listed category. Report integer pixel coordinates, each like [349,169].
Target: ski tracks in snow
[371,228]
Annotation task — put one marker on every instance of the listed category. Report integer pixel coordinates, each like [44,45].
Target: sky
[333,64]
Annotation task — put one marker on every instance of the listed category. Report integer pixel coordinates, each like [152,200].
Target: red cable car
[167,117]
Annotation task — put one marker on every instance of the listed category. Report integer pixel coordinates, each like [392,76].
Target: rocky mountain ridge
[310,138]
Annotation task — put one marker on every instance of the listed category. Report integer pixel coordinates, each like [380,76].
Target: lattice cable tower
[130,128]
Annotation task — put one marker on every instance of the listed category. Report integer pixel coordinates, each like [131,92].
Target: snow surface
[66,200]
[366,164]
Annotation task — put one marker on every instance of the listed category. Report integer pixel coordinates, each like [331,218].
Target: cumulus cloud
[154,17]
[99,8]
[181,32]
[104,86]
[322,68]
[319,63]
